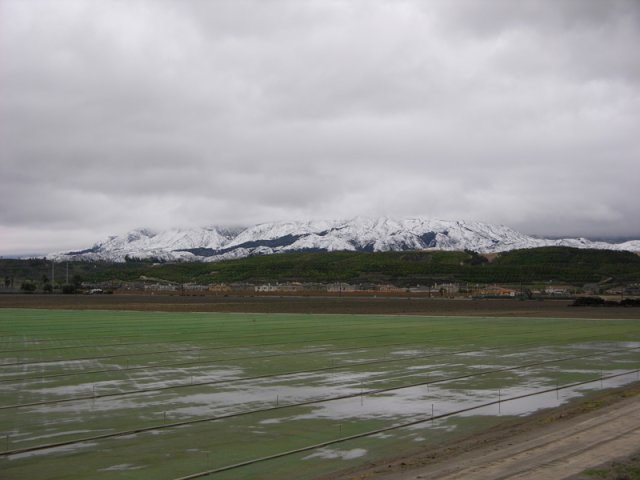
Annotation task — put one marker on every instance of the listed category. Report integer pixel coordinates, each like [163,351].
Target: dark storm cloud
[123,114]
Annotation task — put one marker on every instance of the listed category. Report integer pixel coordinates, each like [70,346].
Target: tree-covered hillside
[557,264]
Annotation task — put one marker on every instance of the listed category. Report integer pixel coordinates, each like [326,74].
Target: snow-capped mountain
[358,234]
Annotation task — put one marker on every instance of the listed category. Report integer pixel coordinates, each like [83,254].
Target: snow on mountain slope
[170,244]
[631,245]
[358,234]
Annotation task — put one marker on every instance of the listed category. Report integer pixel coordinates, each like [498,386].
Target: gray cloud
[120,114]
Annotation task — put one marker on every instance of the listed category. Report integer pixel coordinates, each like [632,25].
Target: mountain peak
[375,234]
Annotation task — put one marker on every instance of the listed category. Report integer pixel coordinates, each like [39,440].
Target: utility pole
[53,272]
[521,286]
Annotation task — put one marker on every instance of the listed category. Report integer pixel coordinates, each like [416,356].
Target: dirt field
[304,304]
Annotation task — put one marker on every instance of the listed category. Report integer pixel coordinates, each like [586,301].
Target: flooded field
[88,394]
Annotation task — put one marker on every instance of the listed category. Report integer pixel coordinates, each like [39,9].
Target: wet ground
[95,395]
[100,394]
[584,439]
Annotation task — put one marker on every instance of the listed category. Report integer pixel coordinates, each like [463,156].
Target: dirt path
[555,451]
[320,305]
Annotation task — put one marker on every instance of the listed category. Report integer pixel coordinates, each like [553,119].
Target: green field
[98,394]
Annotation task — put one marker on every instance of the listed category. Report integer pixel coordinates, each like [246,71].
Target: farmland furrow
[309,402]
[191,350]
[198,335]
[218,348]
[171,329]
[378,431]
[285,374]
[179,350]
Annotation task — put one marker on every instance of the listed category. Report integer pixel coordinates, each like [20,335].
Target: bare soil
[319,305]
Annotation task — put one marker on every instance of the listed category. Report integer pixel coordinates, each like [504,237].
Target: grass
[268,384]
[627,469]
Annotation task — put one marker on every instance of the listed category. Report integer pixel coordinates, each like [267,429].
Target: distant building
[194,287]
[158,287]
[241,287]
[557,290]
[446,288]
[279,287]
[265,288]
[340,287]
[391,289]
[421,289]
[291,287]
[219,288]
[496,291]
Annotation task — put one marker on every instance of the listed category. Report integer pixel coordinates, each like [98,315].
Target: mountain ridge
[369,234]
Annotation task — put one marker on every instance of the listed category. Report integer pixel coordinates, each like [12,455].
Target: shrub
[28,286]
[588,302]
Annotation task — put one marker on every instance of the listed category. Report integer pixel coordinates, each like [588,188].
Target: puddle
[53,451]
[50,435]
[421,401]
[330,454]
[407,353]
[88,406]
[82,389]
[388,408]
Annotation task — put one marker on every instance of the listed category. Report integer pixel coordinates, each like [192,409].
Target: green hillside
[557,264]
[569,265]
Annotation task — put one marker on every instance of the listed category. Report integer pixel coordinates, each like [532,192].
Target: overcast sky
[123,114]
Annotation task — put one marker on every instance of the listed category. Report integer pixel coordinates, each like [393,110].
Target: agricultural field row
[100,394]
